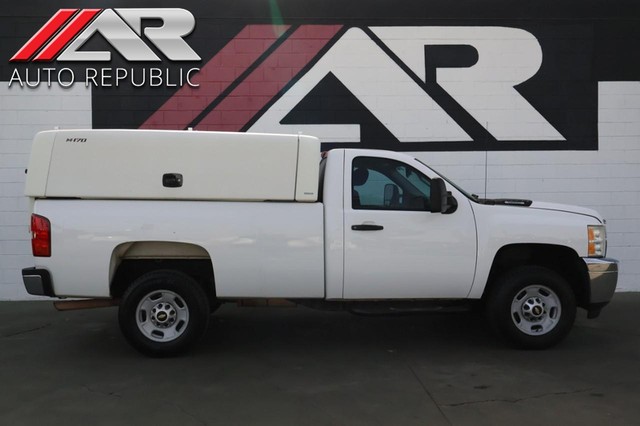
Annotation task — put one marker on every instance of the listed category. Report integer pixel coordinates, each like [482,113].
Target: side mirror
[441,200]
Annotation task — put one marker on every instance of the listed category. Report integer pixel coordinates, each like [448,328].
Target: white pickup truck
[170,224]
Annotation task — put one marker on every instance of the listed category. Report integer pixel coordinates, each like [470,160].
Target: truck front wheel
[532,307]
[164,313]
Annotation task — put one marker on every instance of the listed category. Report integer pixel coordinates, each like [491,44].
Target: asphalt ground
[296,366]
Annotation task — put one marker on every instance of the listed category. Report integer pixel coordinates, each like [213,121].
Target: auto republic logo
[62,38]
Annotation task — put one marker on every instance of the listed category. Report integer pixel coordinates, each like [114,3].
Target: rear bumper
[37,282]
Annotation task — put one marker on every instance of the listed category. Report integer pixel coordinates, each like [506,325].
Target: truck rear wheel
[164,313]
[532,307]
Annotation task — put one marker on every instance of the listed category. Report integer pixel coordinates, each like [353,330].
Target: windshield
[465,193]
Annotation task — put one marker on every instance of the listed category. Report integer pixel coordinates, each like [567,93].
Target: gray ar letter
[177,23]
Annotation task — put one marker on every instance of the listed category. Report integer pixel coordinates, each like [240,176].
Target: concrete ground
[295,366]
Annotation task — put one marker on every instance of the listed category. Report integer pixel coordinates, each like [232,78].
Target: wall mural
[405,84]
[418,88]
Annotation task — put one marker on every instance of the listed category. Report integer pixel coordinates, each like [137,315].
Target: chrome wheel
[162,316]
[536,310]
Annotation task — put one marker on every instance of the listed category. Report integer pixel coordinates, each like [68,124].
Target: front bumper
[603,277]
[37,282]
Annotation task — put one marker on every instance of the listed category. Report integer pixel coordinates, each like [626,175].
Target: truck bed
[258,249]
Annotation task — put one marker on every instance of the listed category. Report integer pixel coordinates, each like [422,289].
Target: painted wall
[508,98]
[24,112]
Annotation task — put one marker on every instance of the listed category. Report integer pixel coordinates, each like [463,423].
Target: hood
[566,208]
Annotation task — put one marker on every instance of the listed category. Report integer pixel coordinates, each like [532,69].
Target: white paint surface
[257,249]
[130,164]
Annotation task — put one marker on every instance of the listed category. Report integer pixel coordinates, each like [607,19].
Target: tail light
[40,236]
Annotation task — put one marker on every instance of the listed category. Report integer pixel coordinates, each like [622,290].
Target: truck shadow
[291,328]
[303,333]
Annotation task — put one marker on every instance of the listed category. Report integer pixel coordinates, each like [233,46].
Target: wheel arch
[133,259]
[561,259]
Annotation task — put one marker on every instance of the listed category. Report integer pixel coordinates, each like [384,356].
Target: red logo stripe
[215,77]
[66,35]
[266,81]
[43,35]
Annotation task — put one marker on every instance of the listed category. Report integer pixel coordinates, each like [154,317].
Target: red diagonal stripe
[266,81]
[66,35]
[43,35]
[215,77]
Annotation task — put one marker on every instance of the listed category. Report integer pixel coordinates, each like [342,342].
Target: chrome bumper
[603,277]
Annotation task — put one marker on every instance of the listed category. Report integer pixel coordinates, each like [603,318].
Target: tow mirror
[441,200]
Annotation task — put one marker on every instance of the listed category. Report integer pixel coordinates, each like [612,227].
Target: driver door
[394,247]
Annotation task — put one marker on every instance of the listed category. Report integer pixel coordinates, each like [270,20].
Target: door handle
[367,227]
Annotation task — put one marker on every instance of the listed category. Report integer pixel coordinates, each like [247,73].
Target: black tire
[532,307]
[214,307]
[164,313]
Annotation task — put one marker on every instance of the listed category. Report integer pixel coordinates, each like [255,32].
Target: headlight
[597,236]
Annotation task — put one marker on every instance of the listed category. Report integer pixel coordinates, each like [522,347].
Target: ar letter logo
[69,29]
[389,71]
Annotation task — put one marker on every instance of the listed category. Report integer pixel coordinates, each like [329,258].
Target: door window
[385,184]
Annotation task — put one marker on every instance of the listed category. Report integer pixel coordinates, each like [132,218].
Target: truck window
[385,184]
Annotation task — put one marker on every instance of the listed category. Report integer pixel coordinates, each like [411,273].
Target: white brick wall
[607,180]
[23,112]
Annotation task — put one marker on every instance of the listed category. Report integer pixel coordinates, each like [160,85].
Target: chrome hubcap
[533,309]
[162,316]
[536,310]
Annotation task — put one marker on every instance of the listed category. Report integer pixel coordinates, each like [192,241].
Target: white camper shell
[180,165]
